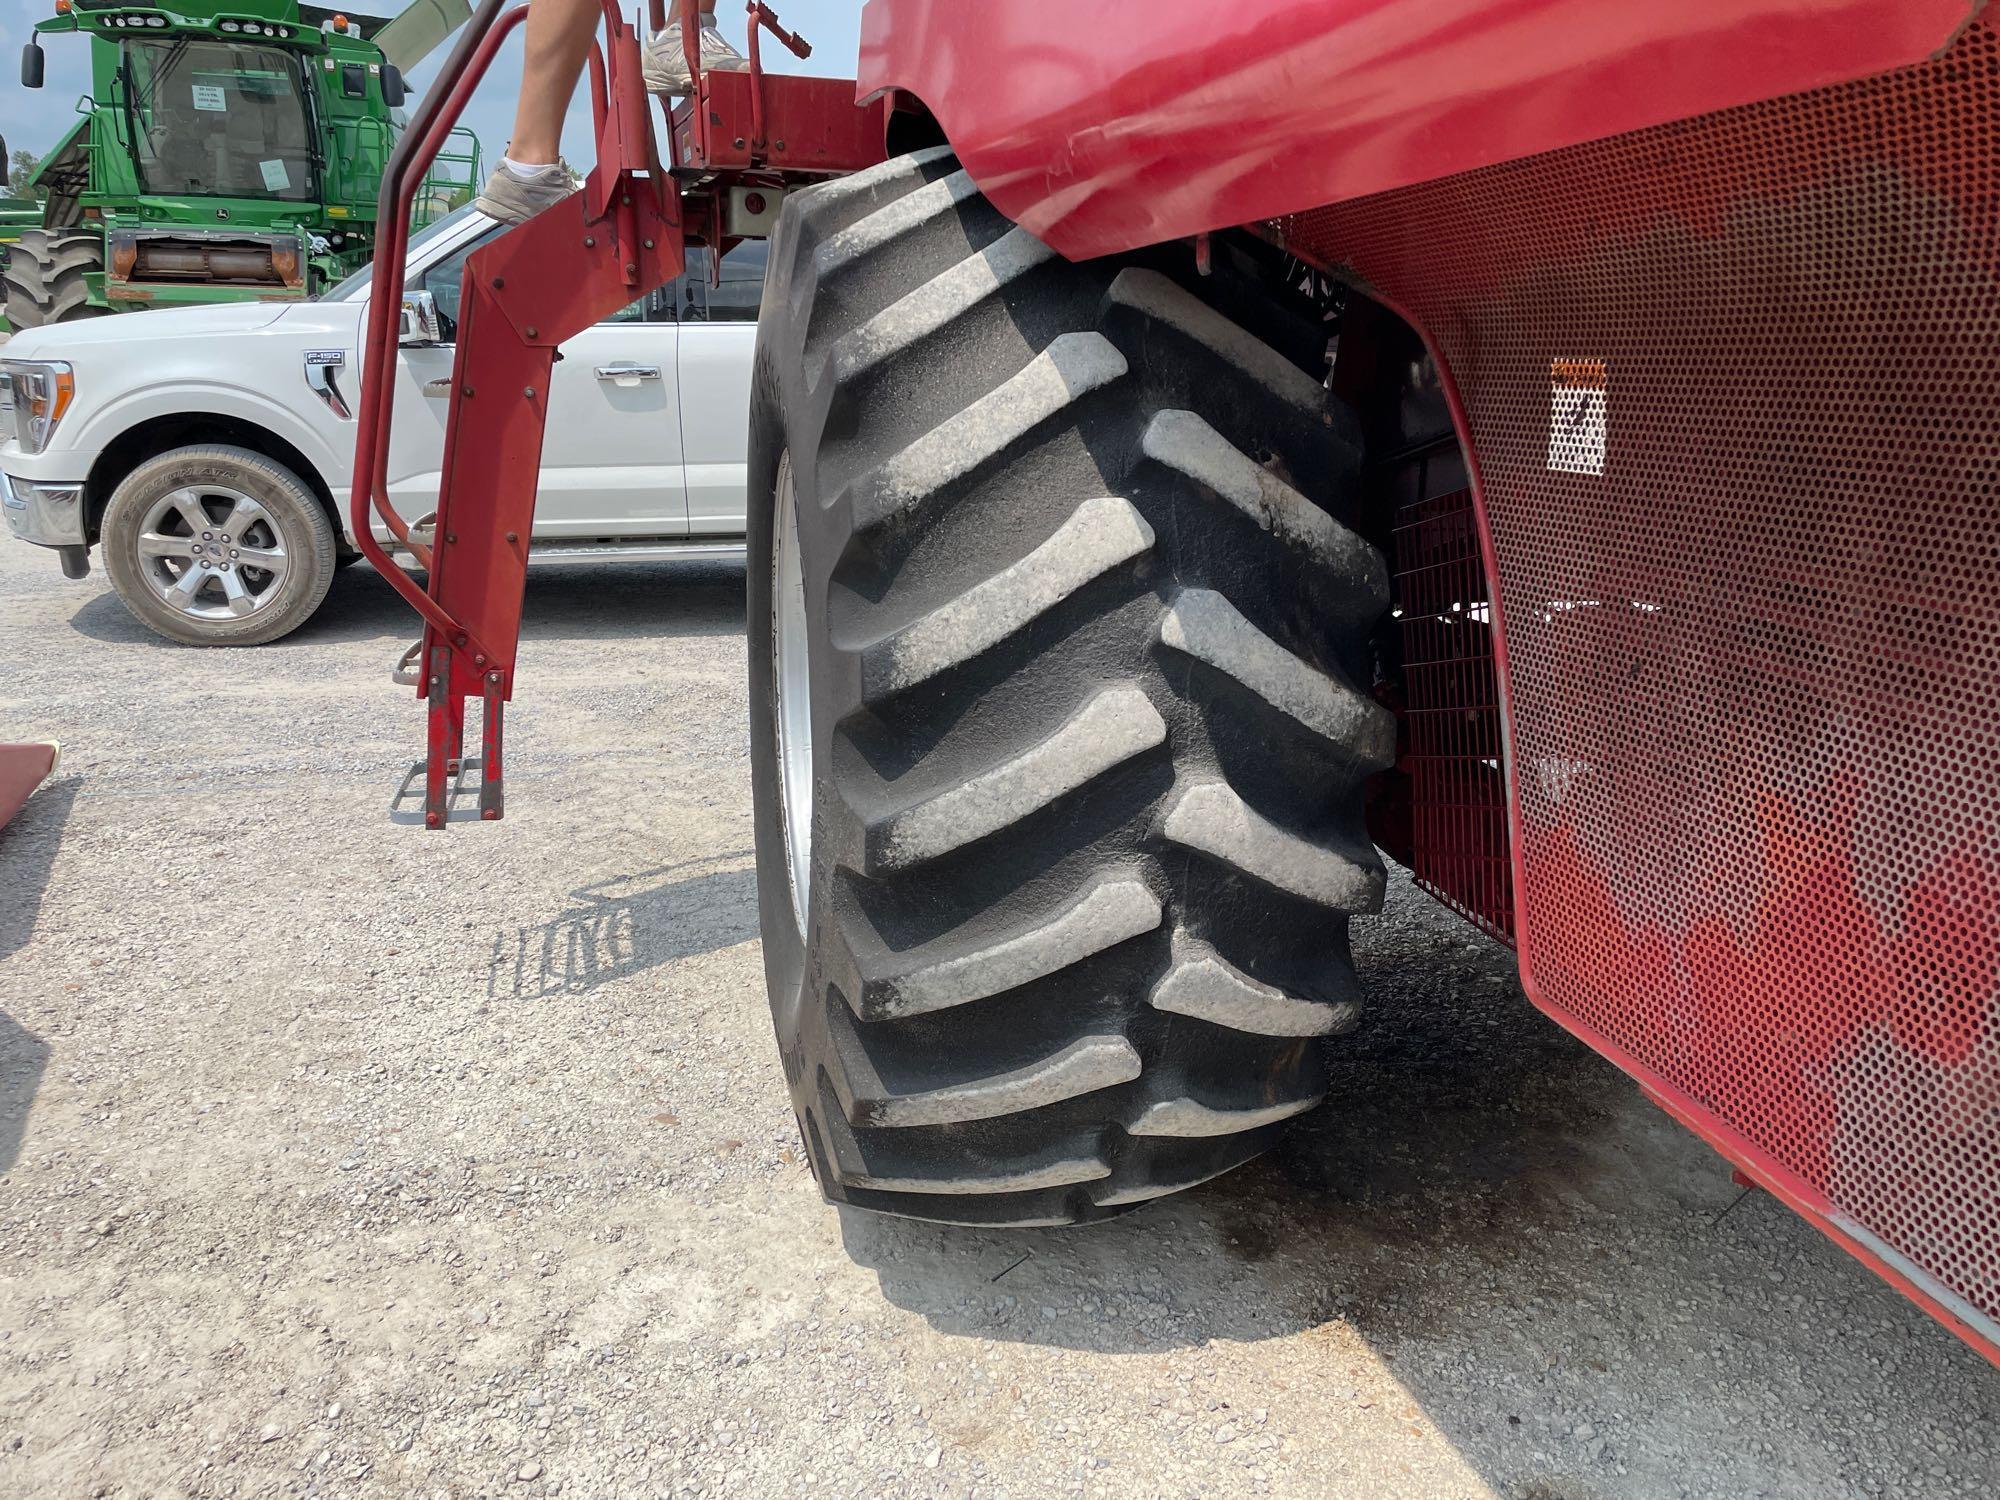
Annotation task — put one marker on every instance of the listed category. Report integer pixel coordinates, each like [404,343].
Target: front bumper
[46,513]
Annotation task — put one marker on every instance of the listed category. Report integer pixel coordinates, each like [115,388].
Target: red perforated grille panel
[1731,391]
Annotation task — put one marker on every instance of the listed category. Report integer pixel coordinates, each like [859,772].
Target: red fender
[1102,127]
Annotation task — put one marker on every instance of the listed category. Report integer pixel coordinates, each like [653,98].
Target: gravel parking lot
[343,1158]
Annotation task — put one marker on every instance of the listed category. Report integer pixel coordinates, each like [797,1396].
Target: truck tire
[1059,666]
[44,277]
[185,532]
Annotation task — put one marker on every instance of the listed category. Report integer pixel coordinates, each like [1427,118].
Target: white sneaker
[666,69]
[514,199]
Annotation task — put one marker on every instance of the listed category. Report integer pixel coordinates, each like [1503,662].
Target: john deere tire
[44,277]
[1058,656]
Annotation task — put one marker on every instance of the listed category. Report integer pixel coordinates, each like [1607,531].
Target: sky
[37,120]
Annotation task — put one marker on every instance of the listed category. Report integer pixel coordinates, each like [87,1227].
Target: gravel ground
[343,1158]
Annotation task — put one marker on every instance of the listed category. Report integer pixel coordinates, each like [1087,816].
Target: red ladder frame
[545,281]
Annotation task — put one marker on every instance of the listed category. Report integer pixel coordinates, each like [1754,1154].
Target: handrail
[762,16]
[600,88]
[691,46]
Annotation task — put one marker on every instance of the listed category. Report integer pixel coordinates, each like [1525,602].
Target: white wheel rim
[791,669]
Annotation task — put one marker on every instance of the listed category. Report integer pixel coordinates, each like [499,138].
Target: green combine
[229,150]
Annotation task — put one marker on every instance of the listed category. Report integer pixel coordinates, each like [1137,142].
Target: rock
[1226,1433]
[270,1433]
[528,1471]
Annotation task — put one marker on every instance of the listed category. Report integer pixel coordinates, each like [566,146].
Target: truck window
[359,282]
[445,280]
[742,288]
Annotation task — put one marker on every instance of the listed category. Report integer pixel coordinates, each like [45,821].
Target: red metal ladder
[623,234]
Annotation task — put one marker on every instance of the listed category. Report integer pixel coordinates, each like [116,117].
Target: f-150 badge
[321,365]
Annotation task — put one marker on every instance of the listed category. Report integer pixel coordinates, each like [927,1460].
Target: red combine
[1195,447]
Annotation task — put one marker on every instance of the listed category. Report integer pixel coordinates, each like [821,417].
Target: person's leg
[559,36]
[529,178]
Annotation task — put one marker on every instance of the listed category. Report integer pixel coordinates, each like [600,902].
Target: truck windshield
[356,284]
[218,120]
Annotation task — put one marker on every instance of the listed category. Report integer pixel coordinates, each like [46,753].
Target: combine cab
[1206,455]
[229,150]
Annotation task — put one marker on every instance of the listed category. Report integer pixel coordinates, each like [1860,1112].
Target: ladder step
[463,778]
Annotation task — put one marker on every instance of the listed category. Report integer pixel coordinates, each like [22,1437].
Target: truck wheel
[217,546]
[1060,656]
[44,277]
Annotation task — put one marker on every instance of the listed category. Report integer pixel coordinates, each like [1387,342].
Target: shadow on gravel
[27,854]
[1459,1122]
[625,926]
[1484,1208]
[596,602]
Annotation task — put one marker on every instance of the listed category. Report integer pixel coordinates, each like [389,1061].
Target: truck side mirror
[393,89]
[420,320]
[3,161]
[31,65]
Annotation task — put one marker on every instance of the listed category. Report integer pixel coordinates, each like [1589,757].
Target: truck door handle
[628,372]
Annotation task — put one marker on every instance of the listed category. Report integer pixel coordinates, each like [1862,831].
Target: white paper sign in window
[210,96]
[276,178]
[1577,390]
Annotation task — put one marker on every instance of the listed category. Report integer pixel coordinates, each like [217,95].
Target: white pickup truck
[208,451]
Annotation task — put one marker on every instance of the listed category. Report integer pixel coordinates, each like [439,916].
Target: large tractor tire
[1059,668]
[44,276]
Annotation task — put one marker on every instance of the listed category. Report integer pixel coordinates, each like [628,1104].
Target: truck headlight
[41,391]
